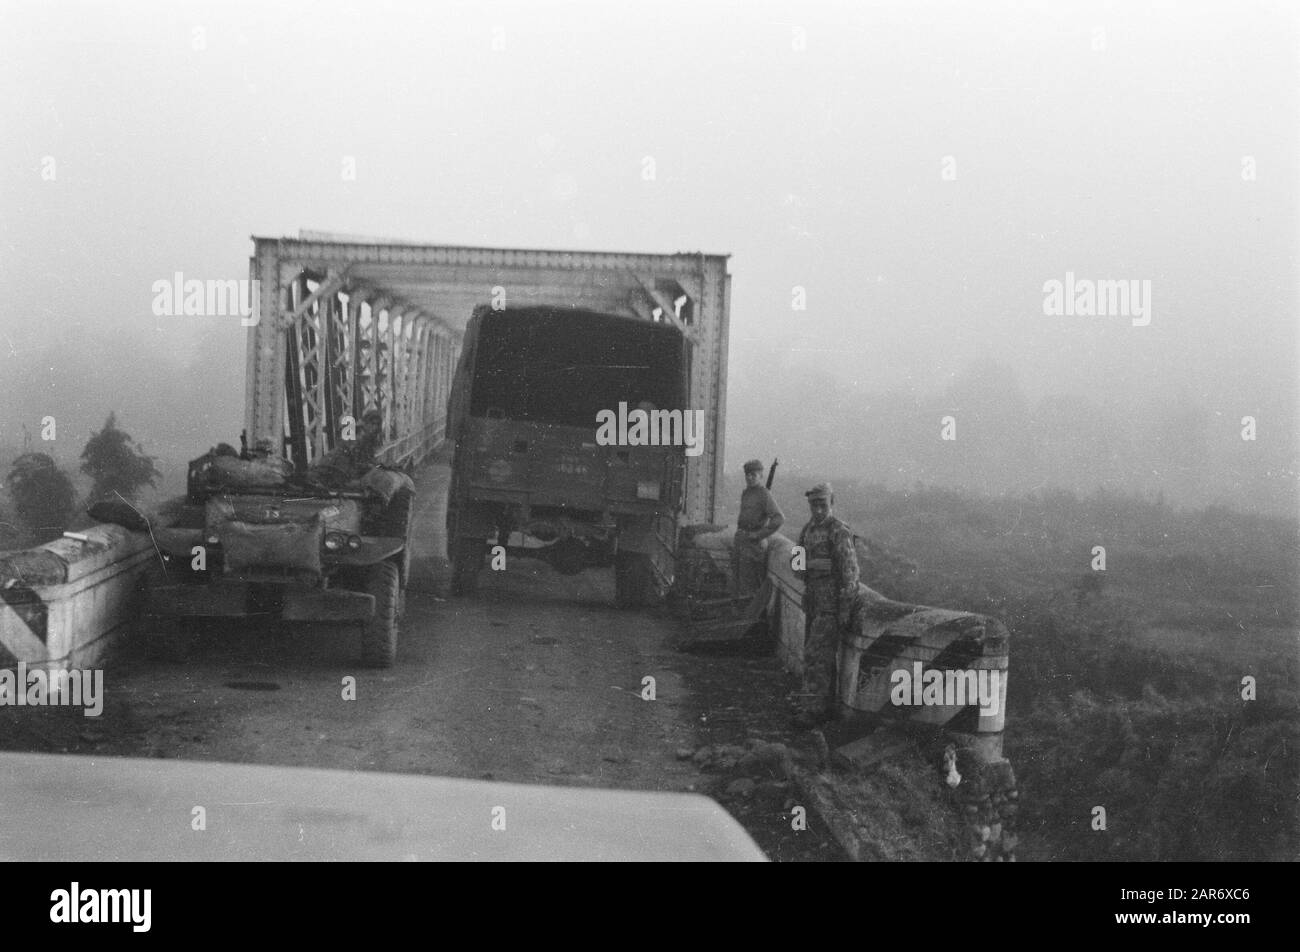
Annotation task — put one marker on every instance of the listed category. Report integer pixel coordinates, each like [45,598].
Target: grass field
[1126,684]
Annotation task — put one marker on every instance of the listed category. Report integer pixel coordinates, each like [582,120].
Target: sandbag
[237,473]
[704,560]
[385,483]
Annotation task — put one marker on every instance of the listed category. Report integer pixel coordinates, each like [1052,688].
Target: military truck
[529,473]
[253,539]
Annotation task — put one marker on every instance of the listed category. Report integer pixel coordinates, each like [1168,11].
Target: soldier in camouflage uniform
[830,602]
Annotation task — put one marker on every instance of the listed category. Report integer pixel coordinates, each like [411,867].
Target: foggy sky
[807,140]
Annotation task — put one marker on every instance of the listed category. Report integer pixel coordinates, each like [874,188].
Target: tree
[43,495]
[117,466]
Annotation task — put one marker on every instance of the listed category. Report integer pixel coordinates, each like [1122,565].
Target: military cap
[754,466]
[820,491]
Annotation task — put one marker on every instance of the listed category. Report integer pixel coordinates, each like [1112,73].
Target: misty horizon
[897,199]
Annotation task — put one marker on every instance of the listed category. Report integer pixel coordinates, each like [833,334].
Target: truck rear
[548,460]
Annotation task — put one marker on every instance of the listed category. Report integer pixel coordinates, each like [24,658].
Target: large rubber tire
[466,562]
[633,580]
[379,633]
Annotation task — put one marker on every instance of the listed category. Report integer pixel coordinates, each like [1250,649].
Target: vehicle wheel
[379,633]
[633,579]
[169,638]
[466,560]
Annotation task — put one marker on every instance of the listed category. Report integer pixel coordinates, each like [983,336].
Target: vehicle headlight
[647,490]
[354,542]
[335,541]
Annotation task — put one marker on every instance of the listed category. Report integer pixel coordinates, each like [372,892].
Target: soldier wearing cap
[830,600]
[760,516]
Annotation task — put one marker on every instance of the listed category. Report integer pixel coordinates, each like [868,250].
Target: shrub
[42,494]
[116,464]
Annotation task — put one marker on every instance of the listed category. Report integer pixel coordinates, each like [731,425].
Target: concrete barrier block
[895,636]
[943,664]
[65,604]
[787,616]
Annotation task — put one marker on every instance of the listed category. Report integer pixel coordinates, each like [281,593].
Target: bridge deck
[536,679]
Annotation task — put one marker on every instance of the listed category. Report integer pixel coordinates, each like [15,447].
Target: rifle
[771,472]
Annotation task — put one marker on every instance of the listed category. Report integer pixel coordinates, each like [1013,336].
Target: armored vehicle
[255,540]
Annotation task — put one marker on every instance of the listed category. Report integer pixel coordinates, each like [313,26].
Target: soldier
[351,460]
[760,516]
[830,602]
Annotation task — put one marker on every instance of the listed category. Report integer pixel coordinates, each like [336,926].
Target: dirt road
[536,679]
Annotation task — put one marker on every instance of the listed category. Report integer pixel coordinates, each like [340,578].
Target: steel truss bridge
[349,324]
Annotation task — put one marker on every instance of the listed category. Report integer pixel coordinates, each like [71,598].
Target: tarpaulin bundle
[66,559]
[283,547]
[237,473]
[32,567]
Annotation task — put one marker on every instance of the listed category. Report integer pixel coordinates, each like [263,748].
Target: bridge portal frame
[350,324]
